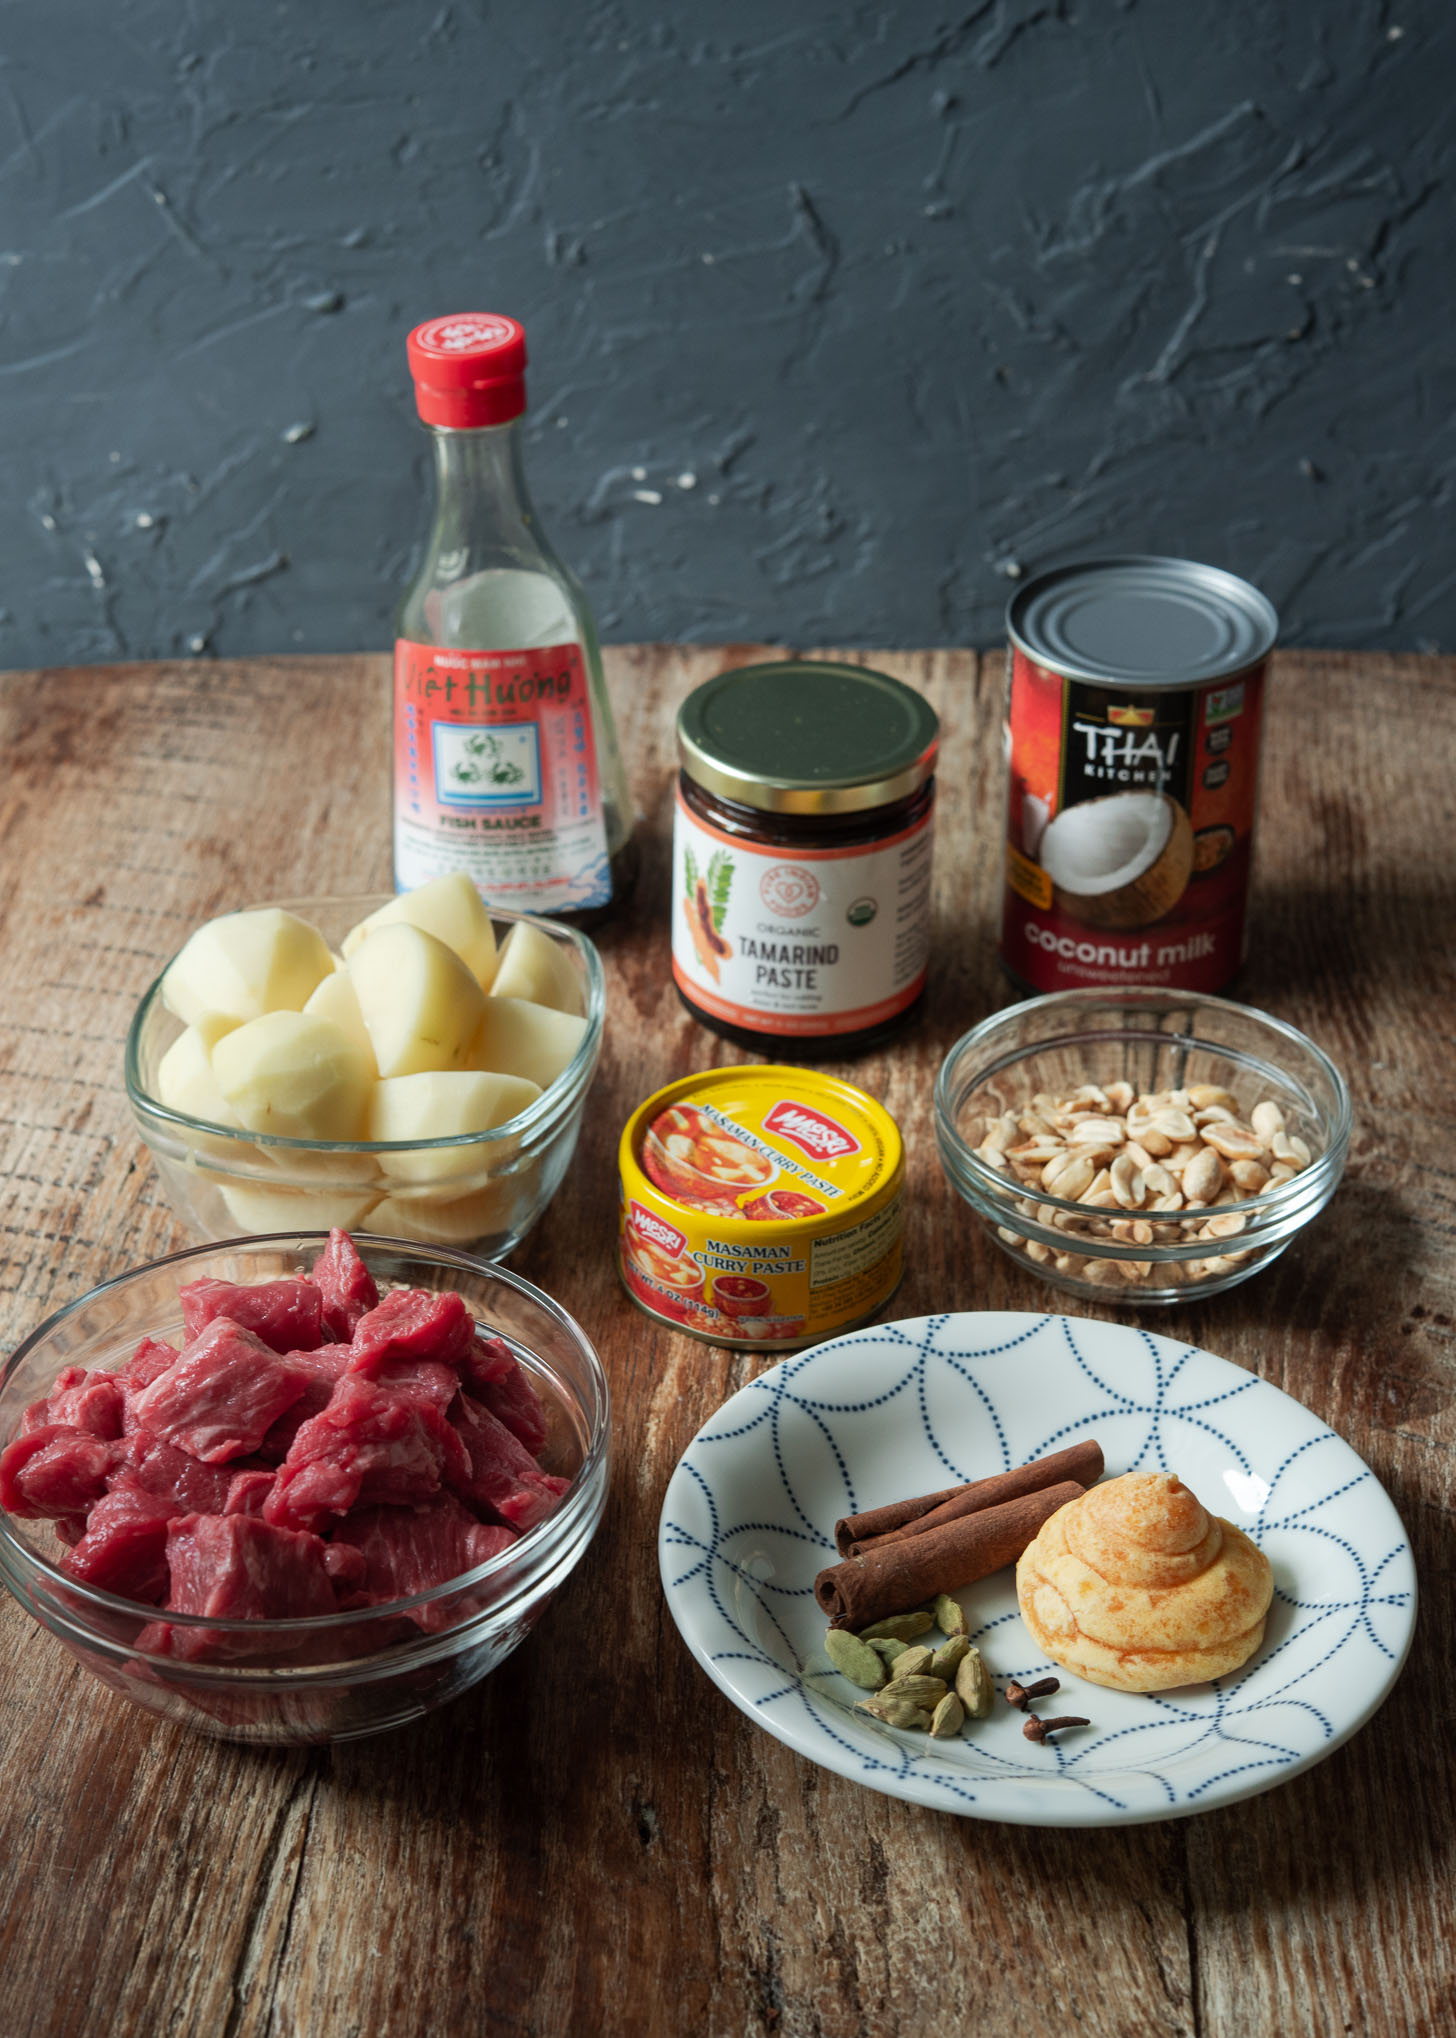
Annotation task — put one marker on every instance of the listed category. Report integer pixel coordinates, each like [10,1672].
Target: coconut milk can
[1135,709]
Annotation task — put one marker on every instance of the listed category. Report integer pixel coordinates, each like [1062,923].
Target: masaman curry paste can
[761,1206]
[1133,726]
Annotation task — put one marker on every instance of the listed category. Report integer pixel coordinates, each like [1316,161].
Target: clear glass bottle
[506,762]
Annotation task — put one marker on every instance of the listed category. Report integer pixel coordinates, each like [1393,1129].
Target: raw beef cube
[89,1402]
[424,1381]
[372,1444]
[413,1323]
[232,1567]
[287,1315]
[345,1283]
[515,1402]
[325,1368]
[147,1363]
[220,1397]
[346,1566]
[69,1529]
[147,1461]
[124,1549]
[54,1472]
[487,1360]
[410,1549]
[504,1478]
[235,1567]
[151,1357]
[247,1491]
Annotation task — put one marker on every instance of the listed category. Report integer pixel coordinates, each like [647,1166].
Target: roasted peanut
[1148,1169]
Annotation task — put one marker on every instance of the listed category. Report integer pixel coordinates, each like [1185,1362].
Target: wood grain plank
[594,1839]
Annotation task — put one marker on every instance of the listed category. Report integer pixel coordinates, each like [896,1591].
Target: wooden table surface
[594,1840]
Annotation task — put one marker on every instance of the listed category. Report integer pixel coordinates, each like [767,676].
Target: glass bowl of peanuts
[1141,1146]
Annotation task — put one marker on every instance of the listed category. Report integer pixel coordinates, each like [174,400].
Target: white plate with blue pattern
[901,1408]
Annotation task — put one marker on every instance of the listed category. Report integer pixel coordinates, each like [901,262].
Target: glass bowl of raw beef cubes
[289,1490]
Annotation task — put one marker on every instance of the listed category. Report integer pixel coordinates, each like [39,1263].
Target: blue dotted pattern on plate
[742,1588]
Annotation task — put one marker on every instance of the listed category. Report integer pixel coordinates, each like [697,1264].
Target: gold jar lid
[805,736]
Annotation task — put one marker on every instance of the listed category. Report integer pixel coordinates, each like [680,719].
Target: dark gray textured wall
[841,316]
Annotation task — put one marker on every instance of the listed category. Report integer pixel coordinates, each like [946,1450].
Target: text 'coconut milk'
[1133,726]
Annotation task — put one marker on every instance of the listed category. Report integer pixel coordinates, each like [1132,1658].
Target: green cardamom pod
[898,1627]
[887,1648]
[948,1657]
[974,1687]
[911,1662]
[949,1616]
[895,1712]
[927,1691]
[854,1659]
[948,1718]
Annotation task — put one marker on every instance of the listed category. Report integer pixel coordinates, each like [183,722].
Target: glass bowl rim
[555,1101]
[1270,1203]
[594,1457]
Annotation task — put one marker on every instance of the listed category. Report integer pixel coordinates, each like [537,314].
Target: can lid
[806,736]
[810,1148]
[469,369]
[1142,622]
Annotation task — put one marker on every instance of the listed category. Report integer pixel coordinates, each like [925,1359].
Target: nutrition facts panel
[850,1252]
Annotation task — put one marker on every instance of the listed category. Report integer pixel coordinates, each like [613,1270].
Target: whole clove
[1021,1695]
[1037,1729]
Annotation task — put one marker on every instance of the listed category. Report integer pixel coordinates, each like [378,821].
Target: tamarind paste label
[799,941]
[761,1207]
[1129,822]
[495,773]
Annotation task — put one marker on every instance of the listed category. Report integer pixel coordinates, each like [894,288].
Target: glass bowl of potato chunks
[412,1066]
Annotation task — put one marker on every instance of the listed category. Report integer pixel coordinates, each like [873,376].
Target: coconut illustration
[1033,822]
[1122,861]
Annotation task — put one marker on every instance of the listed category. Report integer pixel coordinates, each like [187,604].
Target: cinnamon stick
[878,1521]
[1082,1462]
[898,1573]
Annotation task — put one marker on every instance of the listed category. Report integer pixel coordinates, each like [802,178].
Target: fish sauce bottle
[506,763]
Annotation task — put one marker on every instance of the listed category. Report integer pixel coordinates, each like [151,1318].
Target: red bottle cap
[469,369]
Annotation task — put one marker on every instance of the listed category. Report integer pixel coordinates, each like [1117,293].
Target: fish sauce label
[1129,823]
[495,774]
[799,941]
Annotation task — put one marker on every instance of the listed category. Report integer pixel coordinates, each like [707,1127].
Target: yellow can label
[761,1205]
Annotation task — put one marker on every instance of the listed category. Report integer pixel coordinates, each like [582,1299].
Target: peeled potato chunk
[534,967]
[420,1003]
[456,1220]
[245,964]
[185,1081]
[293,1074]
[297,1209]
[440,1105]
[518,1038]
[336,999]
[331,1169]
[448,907]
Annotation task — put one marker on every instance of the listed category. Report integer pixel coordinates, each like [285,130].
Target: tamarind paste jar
[761,1206]
[1136,706]
[801,855]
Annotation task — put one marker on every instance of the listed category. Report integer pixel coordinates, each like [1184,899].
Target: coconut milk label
[799,941]
[1129,826]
